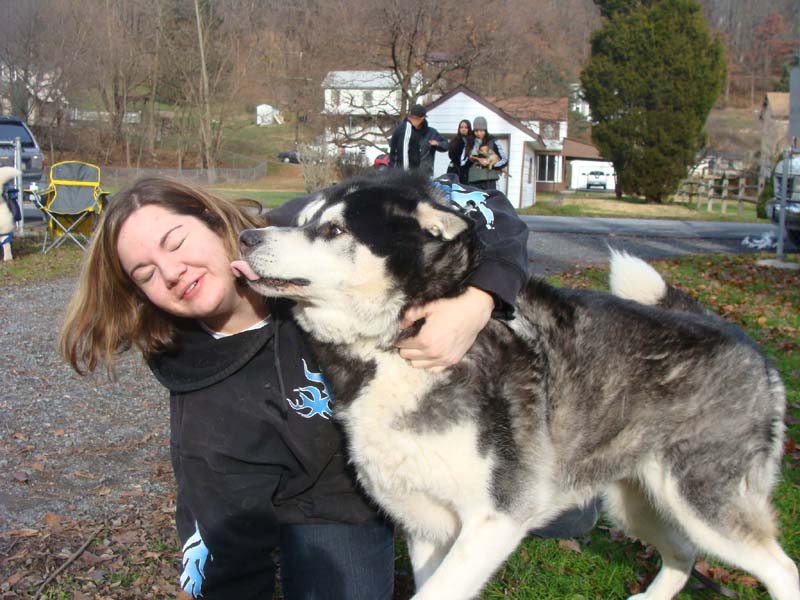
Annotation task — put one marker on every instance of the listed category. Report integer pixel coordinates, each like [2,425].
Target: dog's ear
[439,222]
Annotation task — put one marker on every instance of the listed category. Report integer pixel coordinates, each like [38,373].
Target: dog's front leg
[485,541]
[426,555]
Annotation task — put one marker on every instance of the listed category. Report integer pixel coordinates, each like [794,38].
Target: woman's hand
[451,326]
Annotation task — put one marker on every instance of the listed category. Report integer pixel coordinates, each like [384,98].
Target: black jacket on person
[252,442]
[459,152]
[253,445]
[417,143]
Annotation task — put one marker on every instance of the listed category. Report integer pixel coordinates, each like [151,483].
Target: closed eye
[141,277]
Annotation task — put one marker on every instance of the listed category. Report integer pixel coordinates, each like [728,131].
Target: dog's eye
[330,231]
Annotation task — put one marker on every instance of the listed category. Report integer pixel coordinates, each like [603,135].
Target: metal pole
[787,156]
[19,166]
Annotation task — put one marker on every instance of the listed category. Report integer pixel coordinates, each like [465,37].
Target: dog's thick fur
[673,416]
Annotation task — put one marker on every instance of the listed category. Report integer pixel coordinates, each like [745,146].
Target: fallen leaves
[134,556]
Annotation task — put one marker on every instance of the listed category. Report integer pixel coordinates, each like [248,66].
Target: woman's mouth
[191,290]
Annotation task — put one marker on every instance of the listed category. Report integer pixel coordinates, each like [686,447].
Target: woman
[256,469]
[485,171]
[460,149]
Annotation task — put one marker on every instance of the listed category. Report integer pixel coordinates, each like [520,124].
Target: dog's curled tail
[632,278]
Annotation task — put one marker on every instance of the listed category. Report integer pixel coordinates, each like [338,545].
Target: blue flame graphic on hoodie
[469,201]
[313,400]
[195,555]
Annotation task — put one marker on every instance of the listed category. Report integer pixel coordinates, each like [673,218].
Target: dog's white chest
[397,454]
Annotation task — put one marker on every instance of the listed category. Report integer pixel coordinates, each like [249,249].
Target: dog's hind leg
[483,544]
[627,504]
[762,557]
[742,536]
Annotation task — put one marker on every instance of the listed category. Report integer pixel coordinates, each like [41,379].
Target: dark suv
[11,128]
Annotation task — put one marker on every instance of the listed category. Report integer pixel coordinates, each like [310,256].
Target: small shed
[519,142]
[268,115]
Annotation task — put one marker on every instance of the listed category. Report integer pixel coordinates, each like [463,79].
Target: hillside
[734,133]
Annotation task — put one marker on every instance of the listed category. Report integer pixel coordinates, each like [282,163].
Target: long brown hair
[107,313]
[459,141]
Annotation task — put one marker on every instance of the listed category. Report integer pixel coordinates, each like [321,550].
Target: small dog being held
[669,413]
[487,157]
[9,213]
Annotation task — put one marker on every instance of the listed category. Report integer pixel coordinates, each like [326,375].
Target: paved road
[558,244]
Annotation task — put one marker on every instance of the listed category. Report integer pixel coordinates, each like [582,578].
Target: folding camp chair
[72,203]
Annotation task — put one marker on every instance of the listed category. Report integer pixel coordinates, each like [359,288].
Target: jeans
[337,561]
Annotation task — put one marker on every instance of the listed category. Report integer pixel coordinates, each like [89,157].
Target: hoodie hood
[200,360]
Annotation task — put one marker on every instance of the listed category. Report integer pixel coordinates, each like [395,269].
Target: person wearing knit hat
[488,157]
[414,142]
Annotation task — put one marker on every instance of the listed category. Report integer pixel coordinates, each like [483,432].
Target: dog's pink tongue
[243,269]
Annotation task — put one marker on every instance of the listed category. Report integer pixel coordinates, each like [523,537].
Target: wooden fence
[723,189]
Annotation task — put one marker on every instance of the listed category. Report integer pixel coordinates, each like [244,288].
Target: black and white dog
[671,414]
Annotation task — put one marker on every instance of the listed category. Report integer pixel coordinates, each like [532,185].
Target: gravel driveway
[71,445]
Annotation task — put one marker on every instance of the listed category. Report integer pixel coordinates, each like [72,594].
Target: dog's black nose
[249,238]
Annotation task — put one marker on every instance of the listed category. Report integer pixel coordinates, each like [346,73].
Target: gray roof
[361,80]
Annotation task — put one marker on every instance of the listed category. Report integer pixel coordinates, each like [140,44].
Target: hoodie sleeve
[504,238]
[498,149]
[443,144]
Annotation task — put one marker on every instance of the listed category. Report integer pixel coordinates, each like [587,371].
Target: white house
[548,117]
[520,142]
[362,108]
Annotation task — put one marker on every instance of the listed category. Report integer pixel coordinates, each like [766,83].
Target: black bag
[478,173]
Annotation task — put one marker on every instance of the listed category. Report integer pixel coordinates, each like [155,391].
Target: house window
[335,98]
[547,168]
[367,99]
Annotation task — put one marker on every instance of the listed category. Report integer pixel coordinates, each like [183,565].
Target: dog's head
[362,252]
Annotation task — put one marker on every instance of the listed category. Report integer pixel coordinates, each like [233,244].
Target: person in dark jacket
[460,149]
[414,142]
[258,460]
[485,172]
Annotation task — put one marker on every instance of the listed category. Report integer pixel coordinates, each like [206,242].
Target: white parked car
[596,179]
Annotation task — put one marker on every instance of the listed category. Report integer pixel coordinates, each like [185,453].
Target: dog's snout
[249,239]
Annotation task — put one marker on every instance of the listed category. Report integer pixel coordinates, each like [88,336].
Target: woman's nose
[172,272]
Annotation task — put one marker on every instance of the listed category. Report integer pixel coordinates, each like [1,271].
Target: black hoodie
[253,446]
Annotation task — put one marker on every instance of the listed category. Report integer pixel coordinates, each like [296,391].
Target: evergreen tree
[652,78]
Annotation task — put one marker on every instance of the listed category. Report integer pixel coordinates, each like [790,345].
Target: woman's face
[180,264]
[463,129]
[480,133]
